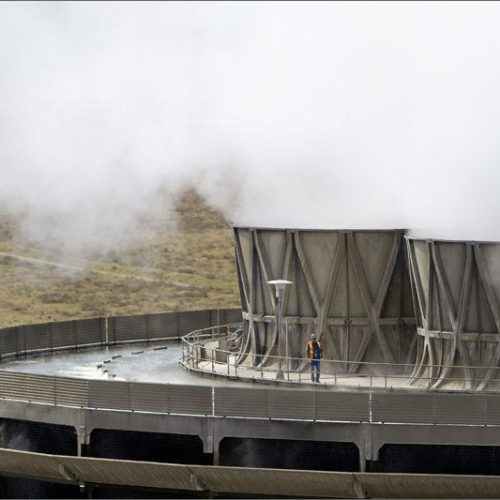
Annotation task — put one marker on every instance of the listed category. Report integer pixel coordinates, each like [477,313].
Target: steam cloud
[281,114]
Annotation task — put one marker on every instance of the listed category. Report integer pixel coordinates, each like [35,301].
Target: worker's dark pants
[315,366]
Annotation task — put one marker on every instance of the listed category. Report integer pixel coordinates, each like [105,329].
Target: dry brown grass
[188,267]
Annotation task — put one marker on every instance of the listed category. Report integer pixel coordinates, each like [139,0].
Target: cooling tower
[351,287]
[456,285]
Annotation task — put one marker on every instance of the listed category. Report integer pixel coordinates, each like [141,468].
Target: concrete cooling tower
[351,287]
[456,287]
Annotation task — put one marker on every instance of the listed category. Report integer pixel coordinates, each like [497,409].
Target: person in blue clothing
[314,353]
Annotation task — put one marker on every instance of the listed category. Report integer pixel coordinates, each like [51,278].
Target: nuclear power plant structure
[219,402]
[428,308]
[456,287]
[351,287]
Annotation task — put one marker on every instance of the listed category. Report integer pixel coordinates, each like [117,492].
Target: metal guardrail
[199,353]
[313,403]
[248,402]
[109,330]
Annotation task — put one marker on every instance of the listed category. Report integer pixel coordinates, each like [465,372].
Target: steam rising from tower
[366,115]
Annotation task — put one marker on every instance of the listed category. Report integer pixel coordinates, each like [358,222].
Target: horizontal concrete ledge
[243,480]
[465,336]
[331,321]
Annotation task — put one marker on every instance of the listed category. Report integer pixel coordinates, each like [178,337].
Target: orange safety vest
[310,349]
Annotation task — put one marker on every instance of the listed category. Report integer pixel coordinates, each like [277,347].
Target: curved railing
[316,404]
[203,351]
[108,330]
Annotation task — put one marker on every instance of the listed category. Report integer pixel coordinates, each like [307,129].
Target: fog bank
[281,114]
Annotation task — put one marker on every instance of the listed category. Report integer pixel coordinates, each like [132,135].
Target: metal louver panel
[338,406]
[42,388]
[240,402]
[459,409]
[190,399]
[414,408]
[72,391]
[14,385]
[149,397]
[291,404]
[493,409]
[109,395]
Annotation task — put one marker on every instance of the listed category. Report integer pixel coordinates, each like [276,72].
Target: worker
[314,353]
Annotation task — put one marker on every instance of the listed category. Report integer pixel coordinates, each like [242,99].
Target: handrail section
[201,356]
[313,403]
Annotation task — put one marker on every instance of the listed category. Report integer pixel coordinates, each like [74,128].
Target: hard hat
[313,335]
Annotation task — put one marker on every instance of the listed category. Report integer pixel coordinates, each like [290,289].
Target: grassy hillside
[188,265]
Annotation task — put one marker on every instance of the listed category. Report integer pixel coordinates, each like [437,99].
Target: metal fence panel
[240,402]
[193,320]
[161,325]
[37,336]
[129,328]
[149,397]
[8,340]
[109,394]
[352,407]
[217,317]
[169,324]
[405,408]
[41,388]
[284,403]
[233,315]
[88,331]
[14,340]
[63,334]
[14,385]
[224,316]
[72,391]
[459,409]
[191,399]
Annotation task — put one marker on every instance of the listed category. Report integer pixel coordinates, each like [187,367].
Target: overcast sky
[282,114]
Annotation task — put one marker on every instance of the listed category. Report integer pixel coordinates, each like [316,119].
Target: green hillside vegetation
[167,267]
